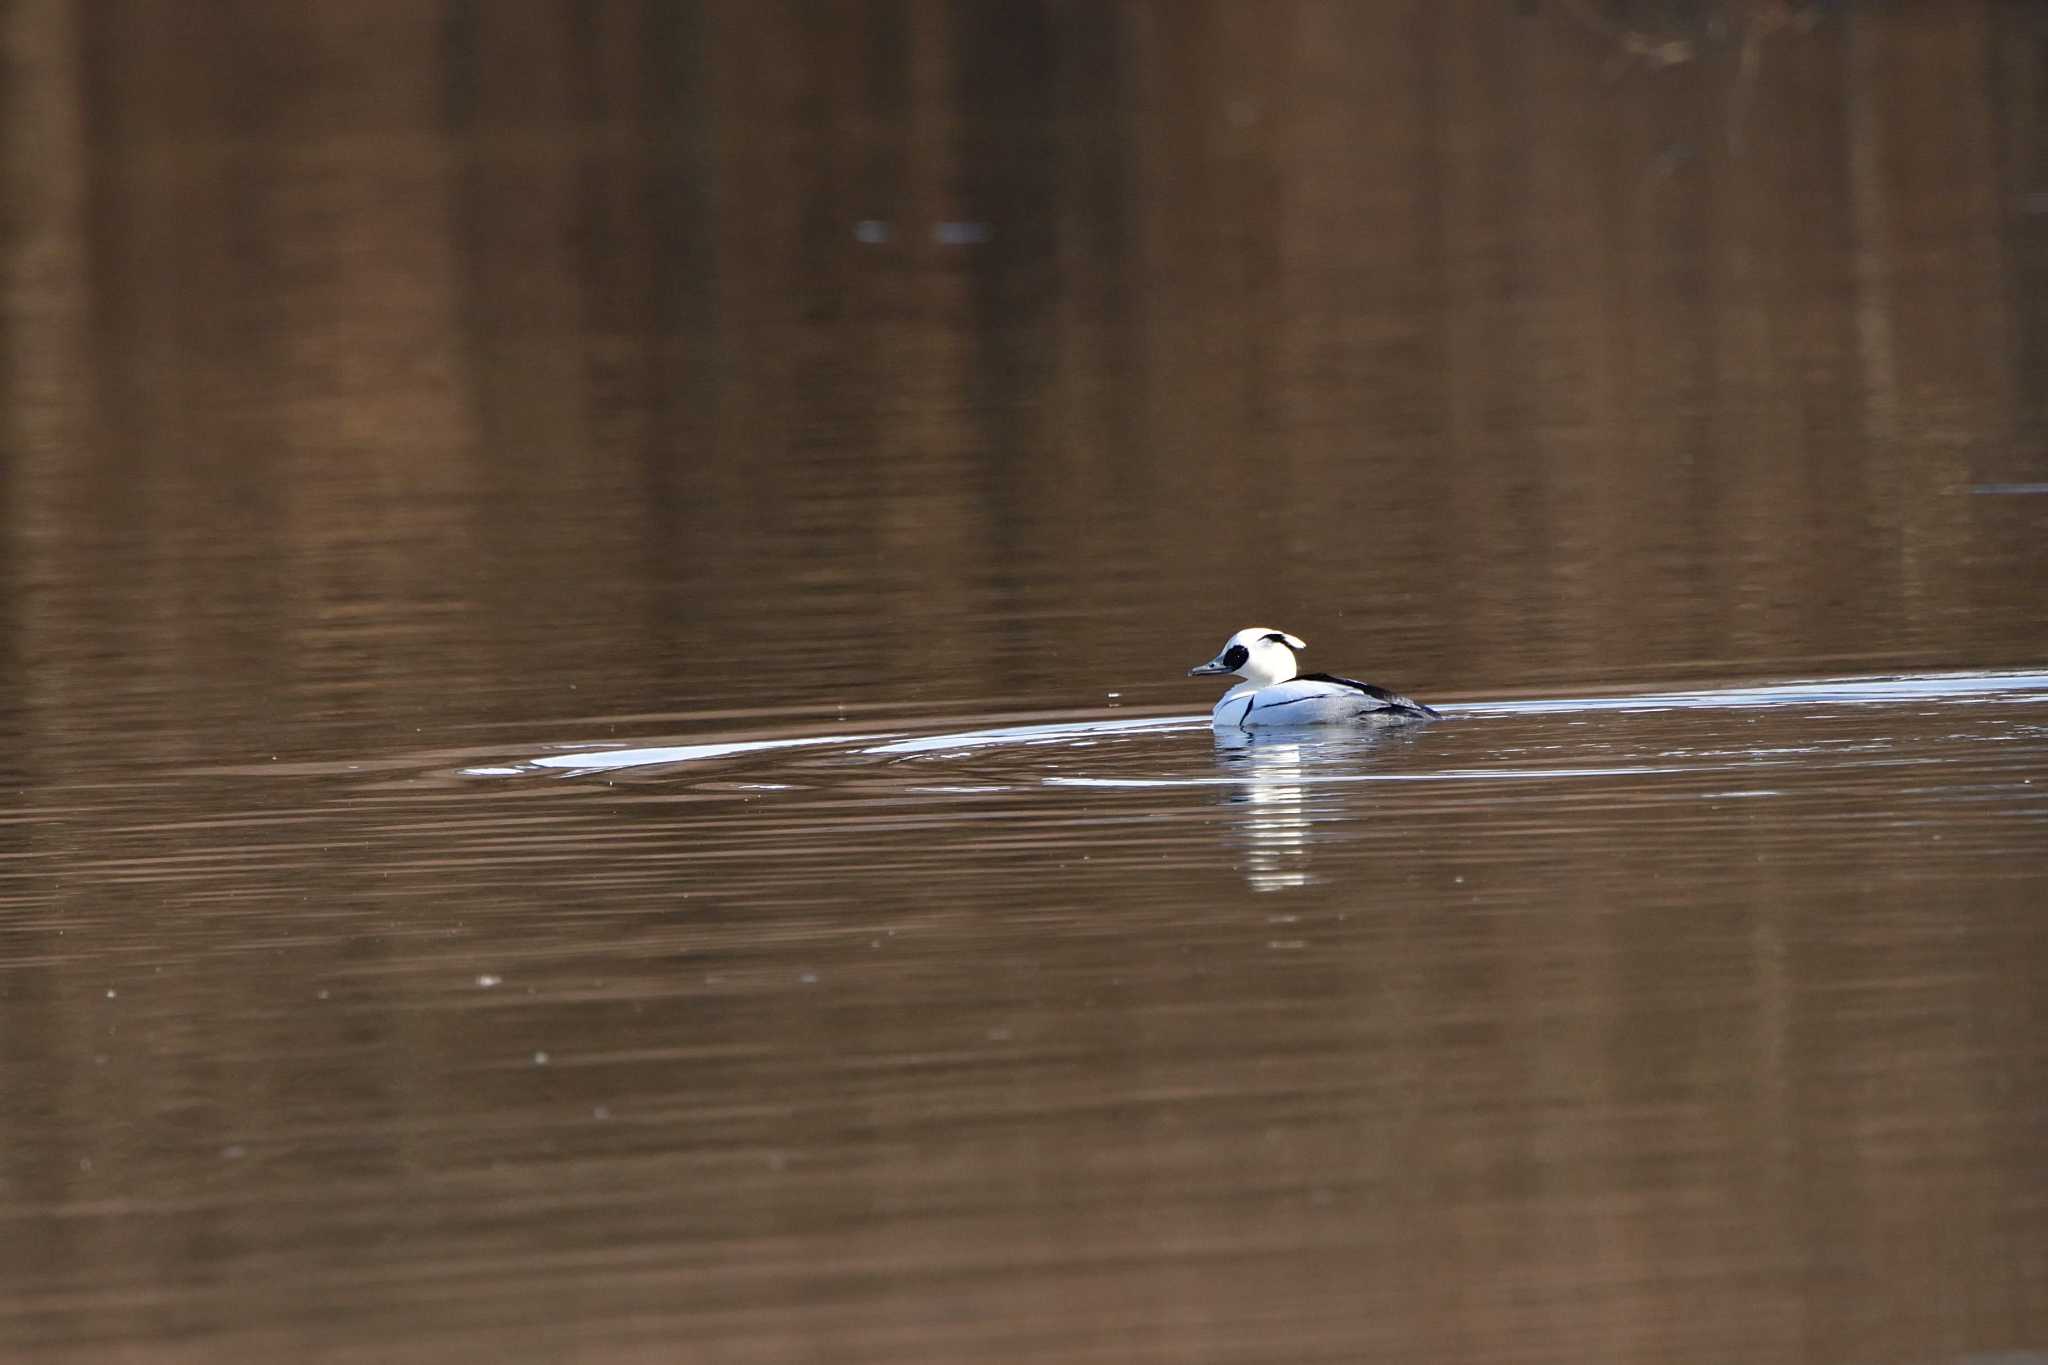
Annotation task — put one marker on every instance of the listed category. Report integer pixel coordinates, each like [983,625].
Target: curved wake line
[604,760]
[1295,778]
[608,760]
[1812,692]
[1981,686]
[1034,734]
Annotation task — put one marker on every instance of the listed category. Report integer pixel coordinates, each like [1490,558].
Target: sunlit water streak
[1956,687]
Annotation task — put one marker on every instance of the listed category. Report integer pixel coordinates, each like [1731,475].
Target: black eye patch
[1235,656]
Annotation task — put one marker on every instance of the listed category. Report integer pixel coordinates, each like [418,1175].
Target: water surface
[593,604]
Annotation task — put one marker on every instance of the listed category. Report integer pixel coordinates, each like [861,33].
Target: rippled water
[796,1039]
[596,763]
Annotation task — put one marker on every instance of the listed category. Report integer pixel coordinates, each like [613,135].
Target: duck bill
[1213,667]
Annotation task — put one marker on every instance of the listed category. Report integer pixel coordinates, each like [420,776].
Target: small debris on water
[540,1059]
[485,981]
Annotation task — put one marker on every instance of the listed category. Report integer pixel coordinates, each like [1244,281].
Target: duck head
[1258,655]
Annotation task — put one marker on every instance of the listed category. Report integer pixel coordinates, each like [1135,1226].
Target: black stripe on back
[1392,701]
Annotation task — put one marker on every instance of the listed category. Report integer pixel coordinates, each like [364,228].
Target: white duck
[1274,694]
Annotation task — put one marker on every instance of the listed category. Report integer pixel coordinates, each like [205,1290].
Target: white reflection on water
[1274,806]
[1277,787]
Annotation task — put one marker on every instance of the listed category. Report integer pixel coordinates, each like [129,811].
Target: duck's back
[1316,699]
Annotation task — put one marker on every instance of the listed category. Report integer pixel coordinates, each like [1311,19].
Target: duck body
[1314,699]
[1275,695]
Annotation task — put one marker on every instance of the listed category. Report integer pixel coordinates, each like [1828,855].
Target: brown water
[592,609]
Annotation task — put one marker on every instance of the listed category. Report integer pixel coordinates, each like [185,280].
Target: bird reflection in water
[1291,790]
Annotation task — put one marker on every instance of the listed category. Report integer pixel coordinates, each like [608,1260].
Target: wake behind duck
[1275,694]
